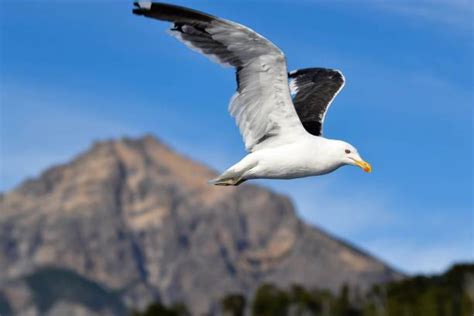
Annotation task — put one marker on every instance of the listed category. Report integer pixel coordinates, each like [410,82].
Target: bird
[280,115]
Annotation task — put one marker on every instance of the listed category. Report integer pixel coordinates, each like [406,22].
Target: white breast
[308,157]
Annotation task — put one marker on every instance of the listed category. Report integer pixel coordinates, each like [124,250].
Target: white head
[348,155]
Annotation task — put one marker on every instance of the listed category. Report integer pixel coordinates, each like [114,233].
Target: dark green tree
[304,302]
[342,305]
[270,301]
[233,304]
[449,294]
[158,309]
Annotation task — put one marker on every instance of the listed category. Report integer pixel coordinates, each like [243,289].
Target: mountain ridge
[138,201]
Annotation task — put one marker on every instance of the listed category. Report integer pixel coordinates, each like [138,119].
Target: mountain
[141,221]
[58,292]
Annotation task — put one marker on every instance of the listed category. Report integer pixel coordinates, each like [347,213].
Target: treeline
[450,294]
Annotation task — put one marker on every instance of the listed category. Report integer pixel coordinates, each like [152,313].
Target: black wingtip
[170,12]
[138,10]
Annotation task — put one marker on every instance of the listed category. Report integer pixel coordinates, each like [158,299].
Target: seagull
[280,115]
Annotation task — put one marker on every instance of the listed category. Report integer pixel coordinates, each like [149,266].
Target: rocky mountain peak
[138,218]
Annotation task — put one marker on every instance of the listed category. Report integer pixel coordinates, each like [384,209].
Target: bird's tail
[229,177]
[236,174]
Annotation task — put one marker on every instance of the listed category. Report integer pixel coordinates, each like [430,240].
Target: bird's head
[349,155]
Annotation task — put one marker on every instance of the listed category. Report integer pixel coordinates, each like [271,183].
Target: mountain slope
[58,292]
[141,219]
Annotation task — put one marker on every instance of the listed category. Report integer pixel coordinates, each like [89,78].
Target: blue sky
[73,72]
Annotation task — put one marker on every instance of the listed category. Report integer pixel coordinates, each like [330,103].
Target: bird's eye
[347,151]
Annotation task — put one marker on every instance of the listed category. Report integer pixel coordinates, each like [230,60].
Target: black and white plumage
[282,135]
[314,89]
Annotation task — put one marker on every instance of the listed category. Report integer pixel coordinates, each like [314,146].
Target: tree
[270,301]
[304,302]
[342,305]
[233,305]
[158,309]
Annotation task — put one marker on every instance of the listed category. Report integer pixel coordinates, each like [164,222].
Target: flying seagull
[280,115]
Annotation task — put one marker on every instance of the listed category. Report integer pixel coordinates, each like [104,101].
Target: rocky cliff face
[138,218]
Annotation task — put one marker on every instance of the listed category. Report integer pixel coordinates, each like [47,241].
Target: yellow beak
[364,165]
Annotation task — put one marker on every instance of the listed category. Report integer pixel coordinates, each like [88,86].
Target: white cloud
[427,257]
[452,13]
[456,14]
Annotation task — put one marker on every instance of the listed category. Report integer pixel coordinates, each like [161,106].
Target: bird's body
[280,121]
[308,156]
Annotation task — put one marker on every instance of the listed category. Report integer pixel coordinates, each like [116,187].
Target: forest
[449,294]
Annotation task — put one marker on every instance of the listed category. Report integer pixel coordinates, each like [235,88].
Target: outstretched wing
[262,105]
[314,89]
